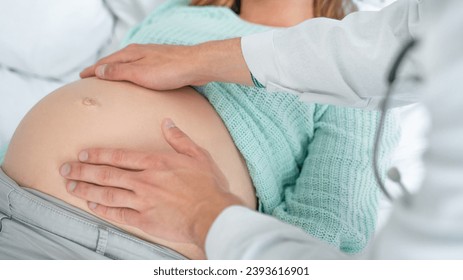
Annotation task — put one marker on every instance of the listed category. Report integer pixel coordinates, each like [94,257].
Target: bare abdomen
[96,113]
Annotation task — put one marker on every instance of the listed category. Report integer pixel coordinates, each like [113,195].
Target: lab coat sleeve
[240,233]
[334,62]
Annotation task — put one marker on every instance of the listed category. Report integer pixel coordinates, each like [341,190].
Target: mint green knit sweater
[310,164]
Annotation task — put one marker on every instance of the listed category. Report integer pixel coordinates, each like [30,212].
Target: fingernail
[83,156]
[168,123]
[65,169]
[72,186]
[92,205]
[100,70]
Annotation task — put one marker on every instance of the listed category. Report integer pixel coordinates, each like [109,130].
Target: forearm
[220,61]
[325,61]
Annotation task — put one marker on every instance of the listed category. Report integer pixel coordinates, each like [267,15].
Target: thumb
[88,72]
[179,141]
[116,71]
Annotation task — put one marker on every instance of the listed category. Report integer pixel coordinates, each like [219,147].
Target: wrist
[209,213]
[220,61]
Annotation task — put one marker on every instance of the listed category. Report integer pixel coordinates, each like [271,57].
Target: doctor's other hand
[174,196]
[165,67]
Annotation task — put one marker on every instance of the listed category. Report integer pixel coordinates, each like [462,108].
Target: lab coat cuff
[259,54]
[225,229]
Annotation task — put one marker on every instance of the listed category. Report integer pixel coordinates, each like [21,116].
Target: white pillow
[52,38]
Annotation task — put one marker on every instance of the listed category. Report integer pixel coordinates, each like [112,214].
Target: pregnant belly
[96,113]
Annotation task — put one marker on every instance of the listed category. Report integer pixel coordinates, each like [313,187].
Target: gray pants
[34,225]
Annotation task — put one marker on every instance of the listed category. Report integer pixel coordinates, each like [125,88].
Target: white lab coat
[346,63]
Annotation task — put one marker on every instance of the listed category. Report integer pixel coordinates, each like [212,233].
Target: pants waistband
[55,216]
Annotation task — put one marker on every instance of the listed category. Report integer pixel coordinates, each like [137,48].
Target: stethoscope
[393,174]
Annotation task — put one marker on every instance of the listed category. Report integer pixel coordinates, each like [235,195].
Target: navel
[87,101]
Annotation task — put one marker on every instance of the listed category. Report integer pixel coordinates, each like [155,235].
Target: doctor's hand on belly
[166,67]
[176,197]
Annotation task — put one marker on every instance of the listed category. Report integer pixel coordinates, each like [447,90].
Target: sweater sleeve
[335,197]
[355,53]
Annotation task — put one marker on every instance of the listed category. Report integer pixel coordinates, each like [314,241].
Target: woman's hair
[336,9]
